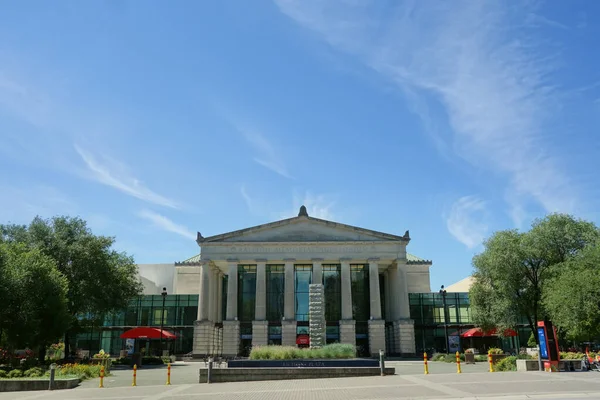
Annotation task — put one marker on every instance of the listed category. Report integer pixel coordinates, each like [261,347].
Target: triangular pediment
[304,229]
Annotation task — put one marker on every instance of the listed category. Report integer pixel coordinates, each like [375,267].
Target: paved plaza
[408,383]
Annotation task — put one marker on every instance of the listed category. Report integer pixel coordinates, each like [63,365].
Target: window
[246,292]
[301,290]
[275,292]
[361,301]
[332,292]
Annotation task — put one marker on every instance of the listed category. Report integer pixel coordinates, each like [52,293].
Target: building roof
[414,260]
[461,286]
[411,258]
[302,217]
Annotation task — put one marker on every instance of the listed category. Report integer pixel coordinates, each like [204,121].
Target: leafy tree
[512,271]
[100,279]
[572,297]
[34,299]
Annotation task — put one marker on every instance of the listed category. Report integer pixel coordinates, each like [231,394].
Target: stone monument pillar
[316,307]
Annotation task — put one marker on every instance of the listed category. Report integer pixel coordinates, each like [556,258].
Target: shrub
[336,350]
[3,374]
[34,372]
[15,373]
[166,360]
[481,358]
[81,370]
[495,350]
[122,361]
[438,357]
[506,364]
[531,341]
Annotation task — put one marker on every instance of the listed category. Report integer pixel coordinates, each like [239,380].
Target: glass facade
[361,301]
[180,312]
[333,292]
[275,292]
[246,292]
[303,278]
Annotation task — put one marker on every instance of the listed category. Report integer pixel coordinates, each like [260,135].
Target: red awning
[478,332]
[147,333]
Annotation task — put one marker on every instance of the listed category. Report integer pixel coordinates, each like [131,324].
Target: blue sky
[450,119]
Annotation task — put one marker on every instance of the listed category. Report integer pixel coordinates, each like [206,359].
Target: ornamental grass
[331,351]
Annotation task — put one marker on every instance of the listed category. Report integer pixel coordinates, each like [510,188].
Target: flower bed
[331,351]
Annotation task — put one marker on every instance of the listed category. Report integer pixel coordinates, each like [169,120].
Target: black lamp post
[443,293]
[162,319]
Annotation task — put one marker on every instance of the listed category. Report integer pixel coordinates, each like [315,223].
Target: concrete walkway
[469,385]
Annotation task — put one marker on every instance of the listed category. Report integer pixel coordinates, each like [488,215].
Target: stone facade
[303,240]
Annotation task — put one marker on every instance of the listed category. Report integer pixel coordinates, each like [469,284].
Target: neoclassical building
[253,286]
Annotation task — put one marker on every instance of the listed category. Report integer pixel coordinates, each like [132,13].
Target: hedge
[336,350]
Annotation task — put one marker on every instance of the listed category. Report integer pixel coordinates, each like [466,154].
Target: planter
[469,358]
[107,362]
[18,385]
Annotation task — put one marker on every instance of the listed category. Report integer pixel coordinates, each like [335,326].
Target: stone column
[260,326]
[289,300]
[288,325]
[220,297]
[376,324]
[212,293]
[347,324]
[219,330]
[393,287]
[260,311]
[404,329]
[203,328]
[346,291]
[317,272]
[232,292]
[204,292]
[374,289]
[231,327]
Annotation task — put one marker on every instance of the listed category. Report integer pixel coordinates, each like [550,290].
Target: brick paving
[408,383]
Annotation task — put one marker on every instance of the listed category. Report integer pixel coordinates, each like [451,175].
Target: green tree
[34,304]
[100,279]
[511,273]
[572,297]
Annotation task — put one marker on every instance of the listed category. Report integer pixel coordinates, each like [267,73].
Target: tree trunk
[67,345]
[42,354]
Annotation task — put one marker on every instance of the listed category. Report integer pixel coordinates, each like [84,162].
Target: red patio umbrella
[478,332]
[145,332]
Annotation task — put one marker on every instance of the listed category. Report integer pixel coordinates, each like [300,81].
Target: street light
[162,319]
[443,293]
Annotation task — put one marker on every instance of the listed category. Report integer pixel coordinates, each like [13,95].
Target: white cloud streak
[317,205]
[480,62]
[269,157]
[466,221]
[164,223]
[112,173]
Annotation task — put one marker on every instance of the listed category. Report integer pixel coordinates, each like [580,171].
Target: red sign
[303,339]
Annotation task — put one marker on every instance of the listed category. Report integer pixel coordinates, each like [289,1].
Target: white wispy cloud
[250,203]
[466,221]
[166,224]
[481,62]
[317,205]
[269,157]
[114,174]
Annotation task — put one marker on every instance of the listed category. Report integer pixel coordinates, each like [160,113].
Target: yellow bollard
[425,361]
[491,363]
[134,383]
[168,374]
[458,371]
[101,385]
